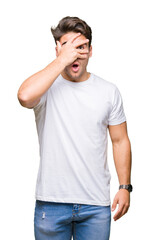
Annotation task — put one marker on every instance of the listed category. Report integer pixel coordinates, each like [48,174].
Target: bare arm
[35,86]
[122,158]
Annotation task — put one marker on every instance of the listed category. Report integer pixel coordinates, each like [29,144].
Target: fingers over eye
[81,42]
[82,56]
[74,37]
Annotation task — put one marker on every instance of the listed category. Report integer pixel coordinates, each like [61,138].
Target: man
[73,110]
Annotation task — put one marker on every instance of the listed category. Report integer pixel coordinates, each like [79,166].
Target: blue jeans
[61,221]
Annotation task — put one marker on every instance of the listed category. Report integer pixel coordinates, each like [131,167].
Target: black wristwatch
[127,187]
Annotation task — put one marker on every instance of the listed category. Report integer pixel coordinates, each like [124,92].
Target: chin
[74,76]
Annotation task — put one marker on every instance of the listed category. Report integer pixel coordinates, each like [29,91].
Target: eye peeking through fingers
[81,47]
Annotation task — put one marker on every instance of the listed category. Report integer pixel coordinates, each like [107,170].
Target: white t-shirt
[72,120]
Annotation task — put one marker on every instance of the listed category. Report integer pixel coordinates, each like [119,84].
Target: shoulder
[104,84]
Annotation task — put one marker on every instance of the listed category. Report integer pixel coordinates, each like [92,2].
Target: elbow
[23,99]
[122,142]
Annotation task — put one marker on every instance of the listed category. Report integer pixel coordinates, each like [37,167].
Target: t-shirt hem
[69,200]
[117,122]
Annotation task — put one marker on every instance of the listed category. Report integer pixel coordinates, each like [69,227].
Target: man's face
[80,72]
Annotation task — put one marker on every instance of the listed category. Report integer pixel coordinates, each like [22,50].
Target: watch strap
[127,187]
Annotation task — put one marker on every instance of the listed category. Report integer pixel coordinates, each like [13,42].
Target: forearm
[37,84]
[122,158]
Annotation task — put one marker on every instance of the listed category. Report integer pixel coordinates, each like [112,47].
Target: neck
[79,78]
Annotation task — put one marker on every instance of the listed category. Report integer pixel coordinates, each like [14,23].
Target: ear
[90,51]
[56,50]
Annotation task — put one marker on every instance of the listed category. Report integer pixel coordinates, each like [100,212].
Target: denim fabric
[61,221]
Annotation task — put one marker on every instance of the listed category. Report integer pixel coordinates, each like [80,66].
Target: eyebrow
[64,43]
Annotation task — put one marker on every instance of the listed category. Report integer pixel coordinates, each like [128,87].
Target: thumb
[114,205]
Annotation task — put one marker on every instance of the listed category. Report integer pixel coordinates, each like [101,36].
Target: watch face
[130,187]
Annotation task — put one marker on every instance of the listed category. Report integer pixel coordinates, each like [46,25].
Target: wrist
[127,187]
[60,61]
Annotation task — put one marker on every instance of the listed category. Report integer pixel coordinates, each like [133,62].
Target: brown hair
[71,24]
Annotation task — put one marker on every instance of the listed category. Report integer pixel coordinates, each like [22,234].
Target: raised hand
[70,51]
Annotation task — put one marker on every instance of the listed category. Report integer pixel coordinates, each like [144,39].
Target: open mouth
[75,67]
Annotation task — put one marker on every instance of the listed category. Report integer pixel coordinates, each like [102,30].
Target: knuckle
[122,205]
[127,205]
[119,211]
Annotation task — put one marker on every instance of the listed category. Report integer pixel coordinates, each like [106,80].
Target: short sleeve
[117,115]
[41,102]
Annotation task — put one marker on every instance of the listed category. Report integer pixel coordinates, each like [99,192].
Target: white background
[121,54]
